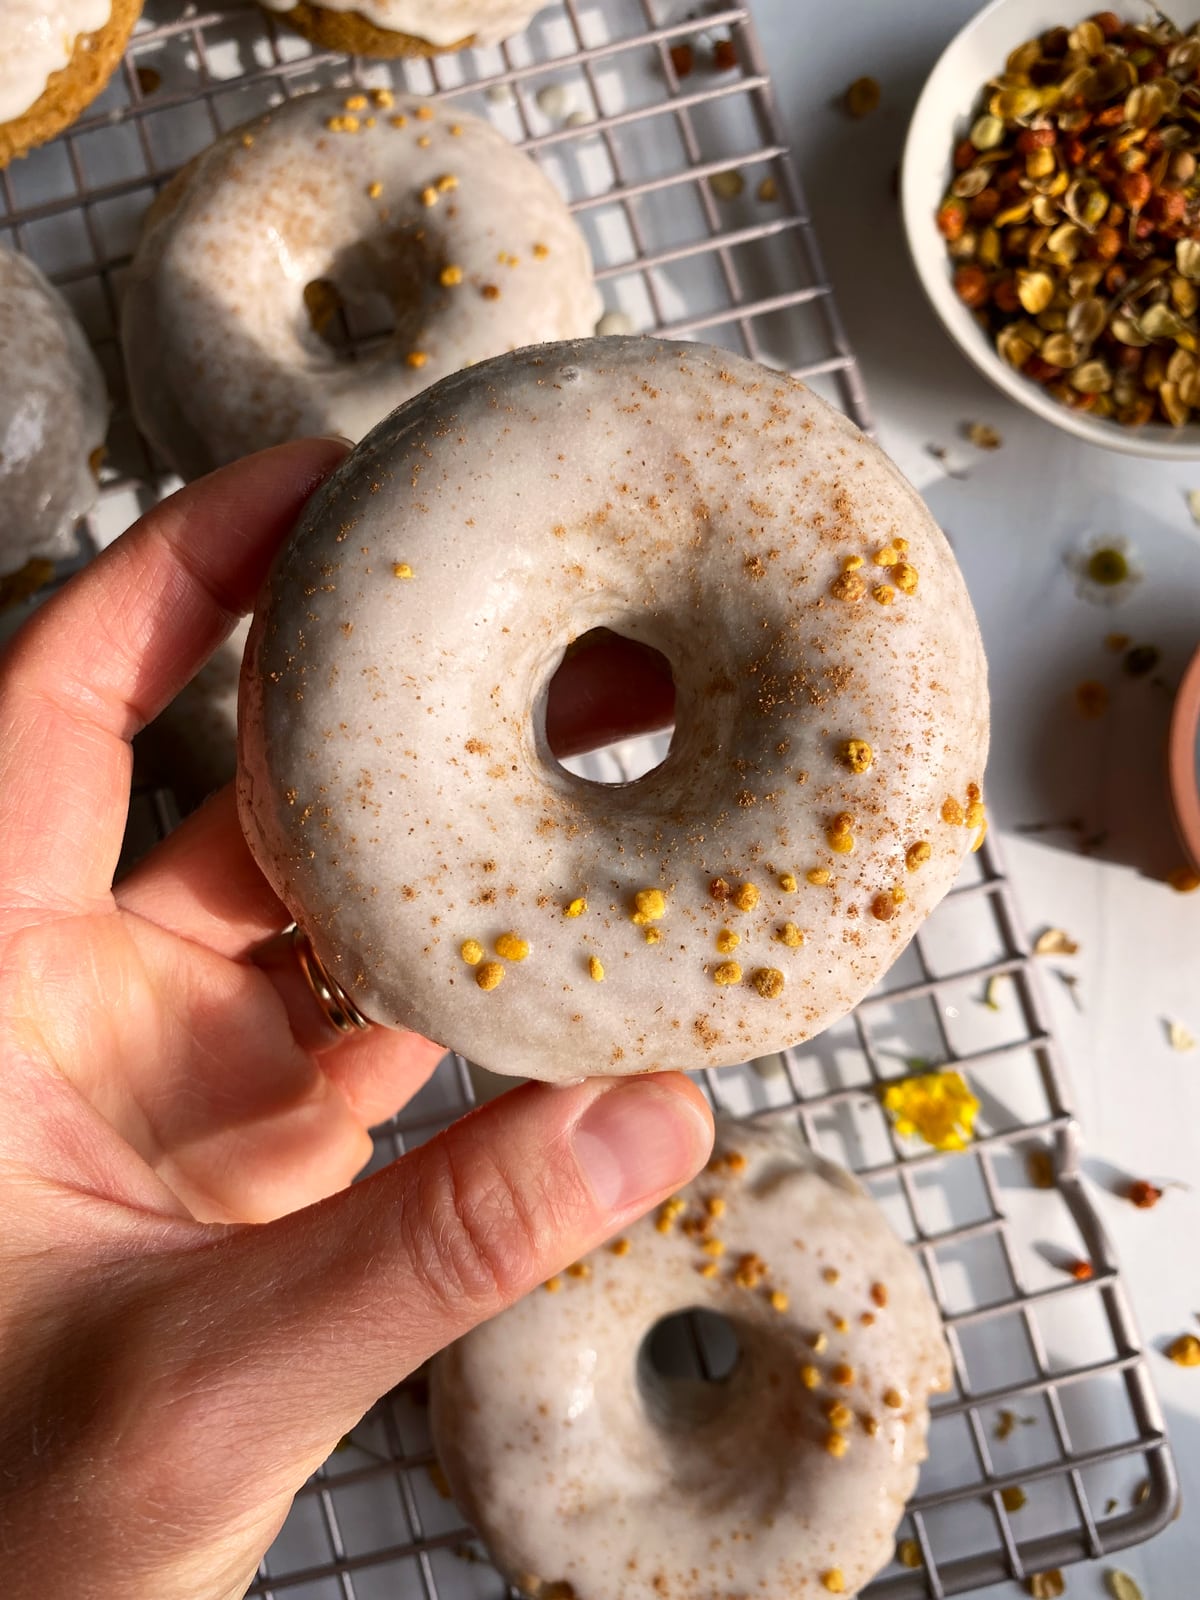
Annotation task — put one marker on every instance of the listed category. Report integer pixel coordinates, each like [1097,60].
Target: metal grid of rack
[682,183]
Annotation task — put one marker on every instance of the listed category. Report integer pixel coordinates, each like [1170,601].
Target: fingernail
[637,1140]
[338,438]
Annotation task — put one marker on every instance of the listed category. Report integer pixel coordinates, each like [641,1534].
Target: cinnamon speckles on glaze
[557,1453]
[414,746]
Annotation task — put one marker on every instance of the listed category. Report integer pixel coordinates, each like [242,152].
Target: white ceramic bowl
[943,116]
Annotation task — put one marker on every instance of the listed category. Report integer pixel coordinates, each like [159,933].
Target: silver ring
[333,1000]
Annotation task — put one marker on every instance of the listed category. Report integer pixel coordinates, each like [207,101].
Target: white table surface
[1014,517]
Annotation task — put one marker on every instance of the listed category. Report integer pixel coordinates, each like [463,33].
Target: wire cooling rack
[680,178]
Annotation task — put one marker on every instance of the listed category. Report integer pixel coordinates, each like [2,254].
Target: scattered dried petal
[1013,1498]
[1055,942]
[1179,1038]
[935,1106]
[1047,1585]
[1184,1351]
[1121,1586]
[982,436]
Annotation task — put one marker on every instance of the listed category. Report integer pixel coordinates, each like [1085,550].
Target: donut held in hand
[823,780]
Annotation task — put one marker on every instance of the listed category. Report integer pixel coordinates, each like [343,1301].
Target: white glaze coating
[53,417]
[39,38]
[396,785]
[577,1470]
[220,349]
[438,22]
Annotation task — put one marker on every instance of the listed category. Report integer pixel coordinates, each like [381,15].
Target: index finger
[104,656]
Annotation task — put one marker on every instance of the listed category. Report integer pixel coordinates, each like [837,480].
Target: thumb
[305,1322]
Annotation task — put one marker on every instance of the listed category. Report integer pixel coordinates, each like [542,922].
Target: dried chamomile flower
[1106,570]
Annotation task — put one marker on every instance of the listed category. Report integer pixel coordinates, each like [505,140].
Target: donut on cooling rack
[589,1474]
[405,27]
[367,202]
[823,779]
[53,418]
[56,57]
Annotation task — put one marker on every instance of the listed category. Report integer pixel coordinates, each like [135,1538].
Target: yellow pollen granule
[728,972]
[856,754]
[904,577]
[247,140]
[728,941]
[838,1413]
[810,1376]
[836,1444]
[735,1161]
[842,1374]
[883,593]
[471,951]
[714,1206]
[975,814]
[839,835]
[649,905]
[374,190]
[401,569]
[830,1274]
[399,121]
[901,545]
[490,291]
[490,975]
[879,1294]
[512,947]
[576,908]
[769,982]
[713,1247]
[952,812]
[428,195]
[383,98]
[455,129]
[579,1269]
[1184,1351]
[445,183]
[552,1285]
[833,1579]
[778,1300]
[840,1325]
[974,792]
[870,1425]
[448,277]
[620,1247]
[893,1399]
[917,854]
[653,935]
[424,141]
[355,102]
[416,358]
[425,113]
[595,969]
[848,586]
[790,935]
[540,252]
[342,124]
[787,882]
[667,1213]
[908,1553]
[887,556]
[852,563]
[708,1269]
[818,876]
[745,897]
[818,1342]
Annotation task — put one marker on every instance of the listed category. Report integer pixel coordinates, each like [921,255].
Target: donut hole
[374,291]
[610,690]
[685,1364]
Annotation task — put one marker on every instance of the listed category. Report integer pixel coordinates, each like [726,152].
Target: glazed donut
[332,199]
[391,28]
[57,57]
[588,1475]
[53,418]
[831,713]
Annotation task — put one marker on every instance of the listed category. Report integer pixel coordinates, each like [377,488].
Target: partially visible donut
[57,56]
[823,781]
[370,199]
[391,28]
[53,418]
[588,1476]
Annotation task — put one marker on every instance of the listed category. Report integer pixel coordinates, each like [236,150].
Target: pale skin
[194,1307]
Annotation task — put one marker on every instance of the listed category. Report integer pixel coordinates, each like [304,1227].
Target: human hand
[180,1345]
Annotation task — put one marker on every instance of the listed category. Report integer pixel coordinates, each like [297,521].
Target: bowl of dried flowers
[1051,198]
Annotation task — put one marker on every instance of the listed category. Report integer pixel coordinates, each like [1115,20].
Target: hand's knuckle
[474,1236]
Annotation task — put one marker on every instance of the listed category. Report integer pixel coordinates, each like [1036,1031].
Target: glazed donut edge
[824,780]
